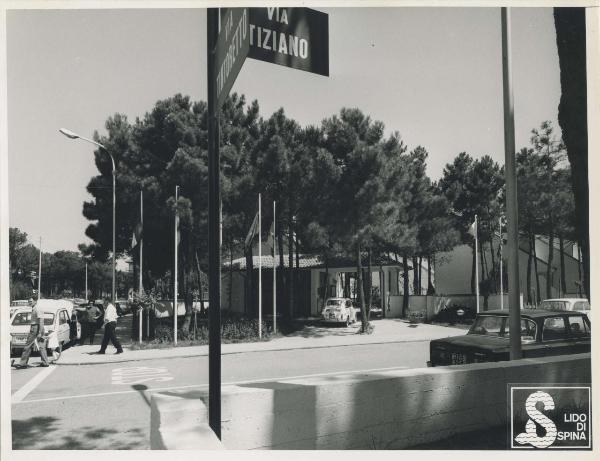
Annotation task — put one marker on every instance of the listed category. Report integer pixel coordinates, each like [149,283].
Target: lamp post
[69,134]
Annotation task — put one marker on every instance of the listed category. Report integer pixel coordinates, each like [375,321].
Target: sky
[432,74]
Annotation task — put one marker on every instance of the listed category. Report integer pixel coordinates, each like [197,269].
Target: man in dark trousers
[110,326]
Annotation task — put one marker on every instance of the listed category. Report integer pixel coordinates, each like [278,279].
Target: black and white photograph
[306,226]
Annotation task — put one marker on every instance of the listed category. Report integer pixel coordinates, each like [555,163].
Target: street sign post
[292,37]
[231,50]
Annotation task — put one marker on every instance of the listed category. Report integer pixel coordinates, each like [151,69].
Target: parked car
[338,310]
[57,316]
[16,303]
[122,307]
[567,304]
[543,333]
[376,311]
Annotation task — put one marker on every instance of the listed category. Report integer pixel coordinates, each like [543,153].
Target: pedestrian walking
[93,319]
[110,326]
[35,340]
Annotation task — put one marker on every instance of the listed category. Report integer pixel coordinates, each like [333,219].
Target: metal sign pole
[214,251]
[514,304]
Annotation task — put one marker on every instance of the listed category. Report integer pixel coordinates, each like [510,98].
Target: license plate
[458,358]
[22,339]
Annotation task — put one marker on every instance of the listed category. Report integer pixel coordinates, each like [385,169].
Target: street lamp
[69,134]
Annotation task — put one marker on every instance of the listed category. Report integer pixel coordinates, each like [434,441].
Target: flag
[137,235]
[252,231]
[271,237]
[473,228]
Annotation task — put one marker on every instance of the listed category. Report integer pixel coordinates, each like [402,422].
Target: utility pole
[514,305]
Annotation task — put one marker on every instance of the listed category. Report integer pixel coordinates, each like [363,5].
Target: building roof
[307,261]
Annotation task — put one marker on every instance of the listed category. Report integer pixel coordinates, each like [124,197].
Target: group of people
[91,318]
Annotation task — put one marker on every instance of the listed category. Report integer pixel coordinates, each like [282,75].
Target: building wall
[453,272]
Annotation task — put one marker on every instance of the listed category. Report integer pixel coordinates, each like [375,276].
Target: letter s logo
[530,435]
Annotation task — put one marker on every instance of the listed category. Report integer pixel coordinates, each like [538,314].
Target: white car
[57,317]
[567,304]
[338,310]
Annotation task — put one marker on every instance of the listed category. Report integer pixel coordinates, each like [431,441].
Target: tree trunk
[483,272]
[361,295]
[549,272]
[420,285]
[369,284]
[494,272]
[570,24]
[187,289]
[296,273]
[537,275]
[430,287]
[529,261]
[326,287]
[347,293]
[563,279]
[201,287]
[405,286]
[290,280]
[230,278]
[280,273]
[415,262]
[579,286]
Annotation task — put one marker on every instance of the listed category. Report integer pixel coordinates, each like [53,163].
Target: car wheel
[55,353]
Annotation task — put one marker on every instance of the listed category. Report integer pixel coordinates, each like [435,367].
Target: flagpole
[40,272]
[476,264]
[274,276]
[259,271]
[140,288]
[501,264]
[86,283]
[175,270]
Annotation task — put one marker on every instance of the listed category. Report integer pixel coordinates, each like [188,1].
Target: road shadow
[322,331]
[44,433]
[142,390]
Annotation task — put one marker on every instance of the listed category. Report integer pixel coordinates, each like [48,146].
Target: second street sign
[291,37]
[231,50]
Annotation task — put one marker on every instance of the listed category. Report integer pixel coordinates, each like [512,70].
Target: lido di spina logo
[550,417]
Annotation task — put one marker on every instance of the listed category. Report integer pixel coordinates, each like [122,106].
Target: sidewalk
[386,331]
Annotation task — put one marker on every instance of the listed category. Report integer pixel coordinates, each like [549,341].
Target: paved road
[107,406]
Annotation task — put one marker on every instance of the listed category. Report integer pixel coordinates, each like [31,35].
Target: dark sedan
[543,333]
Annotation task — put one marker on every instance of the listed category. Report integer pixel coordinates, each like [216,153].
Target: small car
[567,304]
[543,333]
[338,310]
[57,318]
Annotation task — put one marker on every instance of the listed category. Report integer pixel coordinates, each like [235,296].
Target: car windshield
[553,305]
[528,330]
[334,302]
[22,318]
[48,319]
[490,325]
[581,306]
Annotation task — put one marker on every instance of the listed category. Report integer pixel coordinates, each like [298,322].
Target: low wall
[385,410]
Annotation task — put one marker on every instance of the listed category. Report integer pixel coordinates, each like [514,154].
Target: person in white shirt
[110,326]
[35,340]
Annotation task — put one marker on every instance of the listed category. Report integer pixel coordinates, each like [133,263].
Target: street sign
[231,50]
[291,37]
